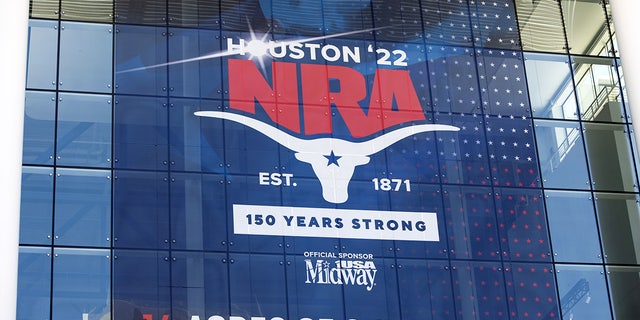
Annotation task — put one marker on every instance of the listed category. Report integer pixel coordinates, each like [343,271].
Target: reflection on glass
[588,36]
[561,152]
[573,227]
[541,26]
[619,219]
[34,283]
[42,54]
[473,280]
[141,12]
[84,130]
[583,292]
[597,89]
[36,205]
[83,207]
[81,284]
[188,284]
[550,86]
[494,24]
[398,20]
[87,10]
[345,16]
[458,29]
[531,290]
[194,13]
[85,56]
[624,290]
[610,157]
[39,127]
[296,17]
[45,9]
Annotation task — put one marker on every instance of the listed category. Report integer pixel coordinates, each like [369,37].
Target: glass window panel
[141,284]
[494,24]
[425,290]
[561,152]
[625,98]
[623,287]
[199,78]
[411,158]
[531,291]
[310,300]
[512,152]
[573,226]
[382,301]
[198,212]
[83,207]
[550,86]
[610,157]
[140,133]
[472,229]
[46,9]
[247,151]
[140,209]
[588,36]
[397,20]
[619,219]
[479,289]
[84,130]
[598,89]
[42,54]
[194,13]
[346,16]
[85,56]
[522,225]
[447,22]
[257,285]
[454,80]
[140,58]
[297,17]
[216,284]
[39,127]
[541,26]
[34,283]
[502,83]
[236,14]
[36,205]
[583,292]
[188,285]
[81,284]
[141,12]
[83,10]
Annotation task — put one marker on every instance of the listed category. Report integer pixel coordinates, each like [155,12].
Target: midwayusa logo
[341,272]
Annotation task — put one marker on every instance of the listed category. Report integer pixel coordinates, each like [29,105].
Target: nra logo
[392,101]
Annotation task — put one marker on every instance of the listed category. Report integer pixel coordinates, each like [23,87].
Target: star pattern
[333,159]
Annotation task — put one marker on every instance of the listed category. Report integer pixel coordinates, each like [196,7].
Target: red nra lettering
[280,100]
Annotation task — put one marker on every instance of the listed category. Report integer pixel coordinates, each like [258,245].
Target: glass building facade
[364,159]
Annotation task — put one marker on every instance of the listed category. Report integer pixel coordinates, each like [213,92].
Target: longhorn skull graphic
[332,160]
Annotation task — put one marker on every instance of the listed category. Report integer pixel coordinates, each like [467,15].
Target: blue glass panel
[562,157]
[85,56]
[84,130]
[550,86]
[598,89]
[191,73]
[42,55]
[194,13]
[83,207]
[454,79]
[421,198]
[397,20]
[81,284]
[446,22]
[34,283]
[141,284]
[39,127]
[522,225]
[246,15]
[140,134]
[624,295]
[382,301]
[299,17]
[36,205]
[502,83]
[425,290]
[531,291]
[198,213]
[413,158]
[346,16]
[140,210]
[494,24]
[196,142]
[188,285]
[618,221]
[610,157]
[572,222]
[463,155]
[583,292]
[257,285]
[307,296]
[136,12]
[472,229]
[512,152]
[479,288]
[216,284]
[247,190]
[140,58]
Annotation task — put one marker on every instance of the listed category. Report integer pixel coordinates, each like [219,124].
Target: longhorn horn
[377,144]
